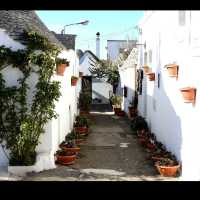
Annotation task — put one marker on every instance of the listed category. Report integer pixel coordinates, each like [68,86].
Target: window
[158,80]
[125,91]
[181,18]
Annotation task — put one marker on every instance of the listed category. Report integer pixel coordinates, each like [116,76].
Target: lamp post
[82,23]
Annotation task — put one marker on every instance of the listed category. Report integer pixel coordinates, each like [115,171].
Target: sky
[112,25]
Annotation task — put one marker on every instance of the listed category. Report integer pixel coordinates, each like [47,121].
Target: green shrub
[139,123]
[116,100]
[81,121]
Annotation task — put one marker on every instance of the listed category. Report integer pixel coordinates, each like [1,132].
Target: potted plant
[65,157]
[120,113]
[167,167]
[70,146]
[61,64]
[189,94]
[84,102]
[81,125]
[172,70]
[151,76]
[78,139]
[74,80]
[133,107]
[139,124]
[116,101]
[146,69]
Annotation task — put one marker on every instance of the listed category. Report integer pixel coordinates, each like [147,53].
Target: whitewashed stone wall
[174,122]
[66,107]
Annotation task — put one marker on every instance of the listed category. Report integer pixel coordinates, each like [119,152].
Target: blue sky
[110,24]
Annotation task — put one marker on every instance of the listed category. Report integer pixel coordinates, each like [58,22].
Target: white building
[172,37]
[100,89]
[12,24]
[127,79]
[115,47]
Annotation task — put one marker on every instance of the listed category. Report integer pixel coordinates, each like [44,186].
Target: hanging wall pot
[189,94]
[151,76]
[61,65]
[74,80]
[146,69]
[172,70]
[61,69]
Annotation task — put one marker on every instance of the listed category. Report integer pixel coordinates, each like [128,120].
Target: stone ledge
[44,161]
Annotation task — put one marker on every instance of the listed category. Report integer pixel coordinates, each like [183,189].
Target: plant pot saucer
[63,163]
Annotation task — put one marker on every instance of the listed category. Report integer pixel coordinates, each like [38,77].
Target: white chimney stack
[98,45]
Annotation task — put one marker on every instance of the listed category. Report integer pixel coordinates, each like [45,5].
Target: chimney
[98,45]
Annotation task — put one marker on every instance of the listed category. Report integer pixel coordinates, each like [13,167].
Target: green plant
[139,123]
[61,61]
[167,162]
[21,124]
[74,78]
[81,121]
[106,69]
[73,136]
[116,100]
[84,101]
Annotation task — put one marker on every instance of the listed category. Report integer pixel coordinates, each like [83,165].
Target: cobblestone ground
[110,153]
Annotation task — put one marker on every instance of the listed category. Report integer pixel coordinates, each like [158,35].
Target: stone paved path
[111,153]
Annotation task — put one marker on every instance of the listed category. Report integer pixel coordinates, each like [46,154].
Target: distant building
[115,47]
[100,89]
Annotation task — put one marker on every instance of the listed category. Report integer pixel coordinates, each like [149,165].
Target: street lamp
[82,23]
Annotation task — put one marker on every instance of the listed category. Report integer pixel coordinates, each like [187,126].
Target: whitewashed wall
[174,122]
[66,107]
[127,74]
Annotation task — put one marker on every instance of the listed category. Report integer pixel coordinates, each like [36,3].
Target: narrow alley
[110,153]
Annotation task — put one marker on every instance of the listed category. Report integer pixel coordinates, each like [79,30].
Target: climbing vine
[22,122]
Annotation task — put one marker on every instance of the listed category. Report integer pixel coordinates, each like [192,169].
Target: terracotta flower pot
[150,146]
[172,70]
[132,111]
[142,141]
[120,113]
[151,76]
[82,112]
[67,159]
[167,170]
[61,69]
[72,149]
[146,69]
[74,81]
[189,94]
[81,130]
[116,110]
[79,141]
